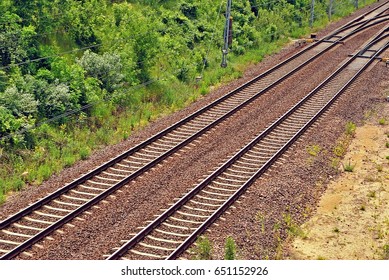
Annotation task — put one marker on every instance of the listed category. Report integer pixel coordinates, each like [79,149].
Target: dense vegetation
[79,74]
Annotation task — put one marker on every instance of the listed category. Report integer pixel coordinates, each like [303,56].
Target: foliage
[230,249]
[105,68]
[350,128]
[76,75]
[203,250]
[314,150]
[19,103]
[16,41]
[348,167]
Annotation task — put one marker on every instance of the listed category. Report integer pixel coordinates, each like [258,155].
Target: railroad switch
[310,40]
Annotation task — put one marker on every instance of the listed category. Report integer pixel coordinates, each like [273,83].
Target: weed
[363,208]
[44,172]
[230,249]
[336,230]
[203,250]
[307,211]
[380,168]
[368,114]
[126,134]
[371,194]
[320,258]
[348,167]
[261,219]
[69,161]
[18,184]
[387,145]
[204,90]
[293,228]
[335,162]
[385,252]
[350,128]
[382,121]
[279,249]
[387,157]
[314,150]
[380,233]
[340,149]
[85,152]
[276,226]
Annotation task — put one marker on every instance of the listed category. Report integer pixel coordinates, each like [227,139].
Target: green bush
[84,152]
[350,128]
[230,249]
[203,250]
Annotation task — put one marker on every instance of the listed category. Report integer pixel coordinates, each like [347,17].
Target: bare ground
[352,218]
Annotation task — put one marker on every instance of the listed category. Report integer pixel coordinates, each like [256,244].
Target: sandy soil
[352,218]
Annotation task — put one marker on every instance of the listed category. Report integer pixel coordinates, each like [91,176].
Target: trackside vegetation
[76,76]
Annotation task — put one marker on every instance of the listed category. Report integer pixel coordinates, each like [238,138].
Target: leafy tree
[16,42]
[189,9]
[8,122]
[271,33]
[10,128]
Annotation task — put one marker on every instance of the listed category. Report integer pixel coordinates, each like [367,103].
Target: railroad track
[169,235]
[37,221]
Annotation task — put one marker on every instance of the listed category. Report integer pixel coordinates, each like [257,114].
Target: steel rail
[190,240]
[105,166]
[6,222]
[158,221]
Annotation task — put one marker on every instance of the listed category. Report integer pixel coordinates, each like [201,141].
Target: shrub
[107,68]
[20,103]
[85,152]
[204,249]
[314,150]
[350,128]
[230,249]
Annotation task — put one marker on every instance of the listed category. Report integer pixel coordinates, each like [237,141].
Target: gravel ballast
[129,209]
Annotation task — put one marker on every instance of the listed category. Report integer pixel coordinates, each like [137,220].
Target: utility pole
[330,10]
[312,13]
[227,34]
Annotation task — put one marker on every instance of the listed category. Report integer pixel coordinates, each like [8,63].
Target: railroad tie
[38,221]
[163,240]
[147,254]
[155,247]
[16,234]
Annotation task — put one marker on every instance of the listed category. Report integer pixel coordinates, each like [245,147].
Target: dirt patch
[352,218]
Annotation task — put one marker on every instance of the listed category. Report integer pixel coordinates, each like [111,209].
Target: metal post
[356,4]
[330,10]
[226,34]
[312,13]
